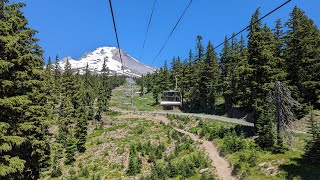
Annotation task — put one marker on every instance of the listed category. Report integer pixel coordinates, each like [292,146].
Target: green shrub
[84,172]
[232,143]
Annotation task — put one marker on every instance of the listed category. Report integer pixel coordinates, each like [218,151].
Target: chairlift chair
[171,98]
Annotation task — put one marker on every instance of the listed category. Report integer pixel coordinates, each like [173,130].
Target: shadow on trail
[299,168]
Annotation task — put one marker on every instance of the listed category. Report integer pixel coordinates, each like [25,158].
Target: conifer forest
[248,111]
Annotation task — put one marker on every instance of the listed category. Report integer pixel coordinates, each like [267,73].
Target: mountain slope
[132,67]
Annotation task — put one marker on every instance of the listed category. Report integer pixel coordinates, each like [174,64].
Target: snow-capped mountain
[132,67]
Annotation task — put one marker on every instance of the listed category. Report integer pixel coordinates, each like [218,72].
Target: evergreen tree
[66,118]
[225,65]
[302,55]
[225,59]
[24,147]
[81,128]
[266,134]
[263,63]
[210,77]
[244,71]
[188,79]
[312,152]
[71,148]
[156,86]
[69,86]
[57,69]
[104,89]
[195,95]
[87,89]
[231,77]
[279,39]
[56,169]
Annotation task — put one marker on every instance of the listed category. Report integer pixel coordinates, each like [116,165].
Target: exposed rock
[271,168]
[262,164]
[204,170]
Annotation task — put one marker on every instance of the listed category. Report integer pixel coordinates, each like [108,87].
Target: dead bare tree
[284,106]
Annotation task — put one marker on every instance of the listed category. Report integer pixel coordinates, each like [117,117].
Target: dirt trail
[223,168]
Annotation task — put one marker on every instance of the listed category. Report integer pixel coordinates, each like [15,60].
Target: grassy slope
[107,149]
[122,99]
[288,165]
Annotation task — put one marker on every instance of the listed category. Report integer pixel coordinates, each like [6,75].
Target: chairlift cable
[115,30]
[145,37]
[254,22]
[172,31]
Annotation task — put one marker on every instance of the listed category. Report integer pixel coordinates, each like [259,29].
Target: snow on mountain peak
[95,59]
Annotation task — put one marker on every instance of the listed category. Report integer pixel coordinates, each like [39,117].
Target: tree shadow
[247,131]
[301,169]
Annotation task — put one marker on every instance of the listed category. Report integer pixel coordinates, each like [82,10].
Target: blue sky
[72,28]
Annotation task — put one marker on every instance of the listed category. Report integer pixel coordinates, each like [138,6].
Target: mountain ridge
[95,59]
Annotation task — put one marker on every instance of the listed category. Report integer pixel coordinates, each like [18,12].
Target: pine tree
[244,71]
[81,128]
[265,125]
[71,148]
[231,77]
[55,166]
[24,147]
[87,95]
[156,86]
[188,78]
[165,78]
[263,63]
[225,58]
[210,76]
[312,152]
[302,55]
[225,65]
[66,118]
[104,89]
[57,70]
[69,86]
[195,95]
[50,90]
[57,91]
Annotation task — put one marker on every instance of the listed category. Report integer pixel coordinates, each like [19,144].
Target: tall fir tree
[312,152]
[225,65]
[263,63]
[302,54]
[210,76]
[81,128]
[244,71]
[24,148]
[265,125]
[104,89]
[71,148]
[195,94]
